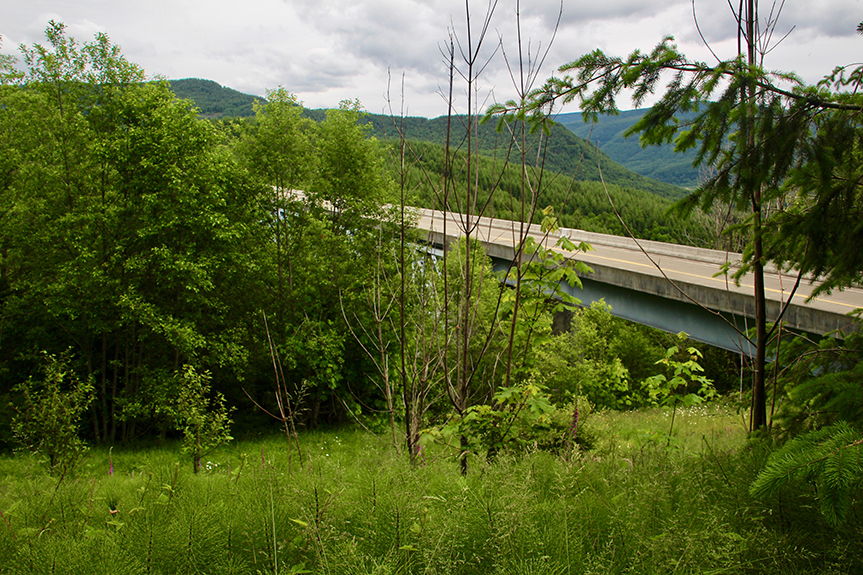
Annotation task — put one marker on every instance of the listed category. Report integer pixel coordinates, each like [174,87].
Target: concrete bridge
[662,293]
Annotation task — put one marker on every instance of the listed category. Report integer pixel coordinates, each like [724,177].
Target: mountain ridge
[567,152]
[214,100]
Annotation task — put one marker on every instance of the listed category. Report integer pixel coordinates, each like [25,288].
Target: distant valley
[657,162]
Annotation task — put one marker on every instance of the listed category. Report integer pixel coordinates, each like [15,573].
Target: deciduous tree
[127,235]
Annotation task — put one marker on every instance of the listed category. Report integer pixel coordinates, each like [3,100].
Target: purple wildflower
[573,428]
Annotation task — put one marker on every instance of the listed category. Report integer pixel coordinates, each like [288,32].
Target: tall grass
[717,425]
[631,506]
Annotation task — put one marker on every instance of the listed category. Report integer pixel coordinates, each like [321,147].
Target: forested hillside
[214,100]
[657,162]
[566,154]
[579,204]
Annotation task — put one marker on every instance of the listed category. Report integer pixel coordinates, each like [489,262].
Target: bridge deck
[619,262]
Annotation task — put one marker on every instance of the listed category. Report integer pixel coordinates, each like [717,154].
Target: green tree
[817,382]
[203,417]
[281,152]
[324,243]
[351,182]
[828,459]
[128,237]
[48,414]
[764,138]
[58,191]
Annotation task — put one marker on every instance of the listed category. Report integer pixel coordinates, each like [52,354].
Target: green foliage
[154,402]
[825,399]
[351,177]
[473,333]
[817,381]
[48,414]
[564,152]
[9,73]
[521,421]
[129,235]
[510,422]
[830,458]
[548,268]
[148,239]
[684,383]
[824,183]
[570,369]
[505,408]
[715,425]
[280,149]
[203,417]
[323,243]
[604,358]
[316,350]
[610,361]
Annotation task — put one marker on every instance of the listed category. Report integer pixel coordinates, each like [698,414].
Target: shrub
[520,420]
[603,358]
[47,414]
[204,420]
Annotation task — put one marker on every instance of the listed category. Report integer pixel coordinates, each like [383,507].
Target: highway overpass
[658,285]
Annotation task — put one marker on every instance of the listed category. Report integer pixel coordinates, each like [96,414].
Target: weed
[632,505]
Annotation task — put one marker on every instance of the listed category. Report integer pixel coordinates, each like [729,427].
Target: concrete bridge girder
[629,282]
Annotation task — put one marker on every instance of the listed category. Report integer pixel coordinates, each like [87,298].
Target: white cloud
[328,50]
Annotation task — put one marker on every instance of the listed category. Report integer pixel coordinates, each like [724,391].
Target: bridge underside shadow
[662,313]
[667,315]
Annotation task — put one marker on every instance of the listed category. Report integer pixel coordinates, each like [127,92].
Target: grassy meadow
[636,503]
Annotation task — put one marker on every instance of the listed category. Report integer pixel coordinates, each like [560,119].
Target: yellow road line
[510,243]
[711,278]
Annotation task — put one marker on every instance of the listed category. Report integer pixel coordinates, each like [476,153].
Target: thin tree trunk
[114,379]
[103,377]
[758,417]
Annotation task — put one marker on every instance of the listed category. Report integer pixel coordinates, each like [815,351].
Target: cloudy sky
[329,50]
